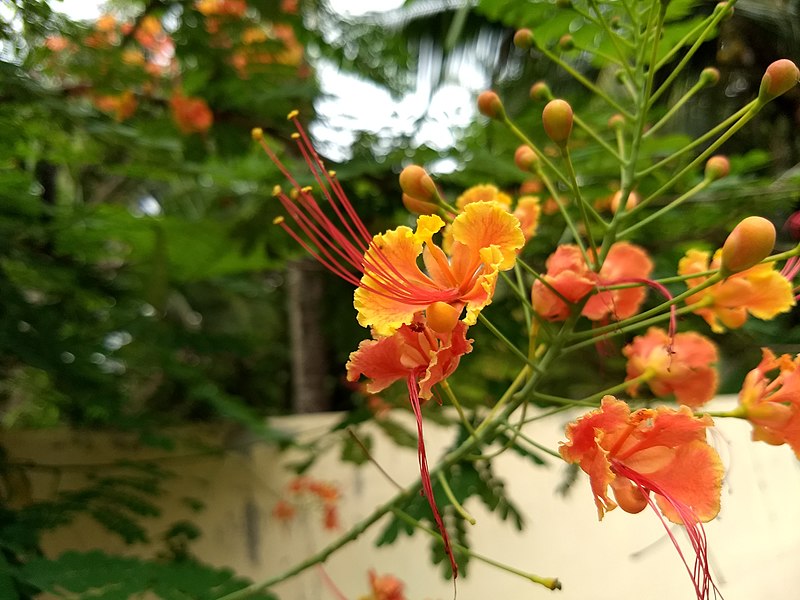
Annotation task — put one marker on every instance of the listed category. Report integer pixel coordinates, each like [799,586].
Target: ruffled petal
[485,224]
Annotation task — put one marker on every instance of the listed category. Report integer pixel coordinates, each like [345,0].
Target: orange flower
[682,365]
[660,451]
[571,277]
[485,192]
[760,291]
[233,8]
[284,511]
[385,587]
[423,358]
[192,115]
[120,106]
[393,288]
[486,239]
[770,400]
[528,210]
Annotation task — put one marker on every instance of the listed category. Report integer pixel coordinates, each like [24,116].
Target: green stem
[676,107]
[576,192]
[452,397]
[532,442]
[665,209]
[451,497]
[551,583]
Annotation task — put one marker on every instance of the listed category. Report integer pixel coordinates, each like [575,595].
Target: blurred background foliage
[142,281]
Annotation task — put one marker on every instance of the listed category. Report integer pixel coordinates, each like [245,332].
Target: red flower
[660,451]
[423,358]
[573,279]
[770,400]
[192,115]
[681,365]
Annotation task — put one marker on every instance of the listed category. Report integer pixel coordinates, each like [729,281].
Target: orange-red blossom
[770,400]
[657,457]
[573,279]
[422,357]
[682,365]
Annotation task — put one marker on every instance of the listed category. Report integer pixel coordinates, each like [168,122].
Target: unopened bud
[717,167]
[416,183]
[616,121]
[419,207]
[726,6]
[525,158]
[490,105]
[779,78]
[750,242]
[442,317]
[523,39]
[540,91]
[557,120]
[792,226]
[616,200]
[709,76]
[566,42]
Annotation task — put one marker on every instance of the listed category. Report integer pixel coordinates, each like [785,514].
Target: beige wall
[755,542]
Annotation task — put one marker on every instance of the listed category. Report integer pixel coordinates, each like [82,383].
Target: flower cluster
[307,493]
[420,289]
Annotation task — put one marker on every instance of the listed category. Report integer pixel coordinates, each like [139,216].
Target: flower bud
[442,317]
[416,183]
[566,43]
[616,200]
[779,78]
[523,39]
[792,226]
[419,207]
[489,105]
[717,167]
[557,120]
[616,121]
[540,91]
[709,76]
[525,158]
[750,242]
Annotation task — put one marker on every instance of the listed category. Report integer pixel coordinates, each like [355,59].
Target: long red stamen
[425,476]
[700,574]
[343,245]
[791,268]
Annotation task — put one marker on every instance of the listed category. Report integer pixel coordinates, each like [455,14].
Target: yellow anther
[293,194]
[295,136]
[278,220]
[293,114]
[332,173]
[277,191]
[306,190]
[257,133]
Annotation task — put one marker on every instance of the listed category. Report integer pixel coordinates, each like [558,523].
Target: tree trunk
[309,358]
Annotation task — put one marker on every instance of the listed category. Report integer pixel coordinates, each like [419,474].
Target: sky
[350,104]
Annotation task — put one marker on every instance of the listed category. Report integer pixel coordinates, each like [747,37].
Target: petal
[485,224]
[445,359]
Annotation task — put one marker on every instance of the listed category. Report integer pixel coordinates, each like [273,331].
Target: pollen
[332,173]
[295,136]
[293,114]
[278,220]
[306,190]
[277,190]
[257,134]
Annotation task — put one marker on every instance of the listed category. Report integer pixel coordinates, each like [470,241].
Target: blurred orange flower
[760,291]
[192,115]
[682,365]
[770,400]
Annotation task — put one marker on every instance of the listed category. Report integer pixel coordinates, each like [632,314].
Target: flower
[760,291]
[528,210]
[423,357]
[393,288]
[192,115]
[486,239]
[385,587]
[569,279]
[681,365]
[659,451]
[485,192]
[770,400]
